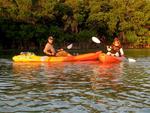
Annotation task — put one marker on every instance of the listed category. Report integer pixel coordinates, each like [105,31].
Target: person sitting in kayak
[115,49]
[50,51]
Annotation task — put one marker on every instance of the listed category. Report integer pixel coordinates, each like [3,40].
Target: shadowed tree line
[26,24]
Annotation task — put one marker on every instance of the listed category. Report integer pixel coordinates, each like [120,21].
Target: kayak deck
[35,58]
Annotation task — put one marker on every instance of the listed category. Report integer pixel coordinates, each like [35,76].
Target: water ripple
[86,87]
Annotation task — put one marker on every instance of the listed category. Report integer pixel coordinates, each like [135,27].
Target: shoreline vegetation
[10,53]
[26,24]
[128,51]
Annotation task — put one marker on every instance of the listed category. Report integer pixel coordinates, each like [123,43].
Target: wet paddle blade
[131,60]
[96,40]
[69,46]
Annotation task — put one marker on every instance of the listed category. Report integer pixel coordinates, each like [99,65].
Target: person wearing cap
[49,49]
[115,49]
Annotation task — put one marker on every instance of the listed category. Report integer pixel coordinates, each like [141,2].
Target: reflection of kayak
[104,58]
[35,58]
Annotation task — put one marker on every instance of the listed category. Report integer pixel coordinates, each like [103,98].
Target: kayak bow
[104,58]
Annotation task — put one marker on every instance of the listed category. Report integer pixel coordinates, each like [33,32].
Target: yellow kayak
[34,58]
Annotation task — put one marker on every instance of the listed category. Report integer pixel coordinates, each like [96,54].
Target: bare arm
[121,51]
[46,50]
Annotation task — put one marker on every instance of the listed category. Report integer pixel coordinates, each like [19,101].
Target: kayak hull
[104,58]
[35,58]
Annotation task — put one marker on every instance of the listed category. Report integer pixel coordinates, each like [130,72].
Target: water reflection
[52,71]
[107,76]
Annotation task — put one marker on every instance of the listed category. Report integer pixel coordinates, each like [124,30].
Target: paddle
[96,40]
[69,46]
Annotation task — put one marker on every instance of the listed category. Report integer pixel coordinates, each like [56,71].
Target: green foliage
[72,20]
[63,9]
[131,36]
[68,38]
[40,33]
[148,39]
[85,35]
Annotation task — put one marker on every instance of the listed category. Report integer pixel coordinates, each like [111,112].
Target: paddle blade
[96,40]
[69,46]
[131,60]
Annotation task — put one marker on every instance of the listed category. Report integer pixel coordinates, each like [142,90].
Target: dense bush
[26,24]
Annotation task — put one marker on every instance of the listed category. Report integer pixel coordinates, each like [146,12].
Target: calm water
[79,87]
